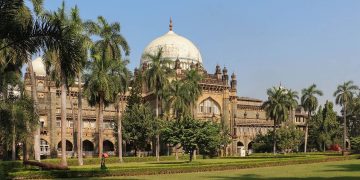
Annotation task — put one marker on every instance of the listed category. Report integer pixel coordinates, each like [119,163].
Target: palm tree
[276,108]
[110,46]
[192,87]
[123,76]
[309,102]
[79,28]
[23,36]
[64,61]
[156,78]
[100,88]
[343,95]
[177,99]
[111,41]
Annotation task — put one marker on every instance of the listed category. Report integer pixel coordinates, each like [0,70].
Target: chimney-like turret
[233,82]
[218,72]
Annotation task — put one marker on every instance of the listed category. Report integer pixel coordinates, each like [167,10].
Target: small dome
[39,67]
[175,47]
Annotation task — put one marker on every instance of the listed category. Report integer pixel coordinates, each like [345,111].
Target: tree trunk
[345,128]
[75,130]
[194,152]
[36,102]
[157,135]
[176,152]
[274,138]
[120,131]
[63,122]
[191,155]
[13,149]
[307,131]
[79,122]
[101,125]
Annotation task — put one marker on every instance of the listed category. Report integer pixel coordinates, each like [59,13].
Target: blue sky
[293,42]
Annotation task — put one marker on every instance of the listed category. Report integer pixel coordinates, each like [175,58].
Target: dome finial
[170,25]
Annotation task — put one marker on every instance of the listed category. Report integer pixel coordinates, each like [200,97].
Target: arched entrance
[240,149]
[88,148]
[69,146]
[250,147]
[108,147]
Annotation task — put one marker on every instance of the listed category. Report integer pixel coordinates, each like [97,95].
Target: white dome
[39,67]
[175,47]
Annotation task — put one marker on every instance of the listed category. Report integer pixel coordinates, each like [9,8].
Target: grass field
[341,170]
[170,166]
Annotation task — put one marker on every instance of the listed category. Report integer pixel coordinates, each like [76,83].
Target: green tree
[276,108]
[289,138]
[64,62]
[110,46]
[111,42]
[122,78]
[309,102]
[157,79]
[100,88]
[343,95]
[138,122]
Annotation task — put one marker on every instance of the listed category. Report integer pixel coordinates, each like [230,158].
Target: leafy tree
[157,79]
[355,144]
[343,95]
[324,127]
[192,134]
[138,123]
[289,138]
[309,102]
[263,142]
[16,112]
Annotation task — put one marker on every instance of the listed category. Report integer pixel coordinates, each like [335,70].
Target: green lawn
[342,170]
[170,166]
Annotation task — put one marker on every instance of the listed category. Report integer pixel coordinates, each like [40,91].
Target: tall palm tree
[25,34]
[64,61]
[276,108]
[100,88]
[122,76]
[343,95]
[80,30]
[111,43]
[309,102]
[157,79]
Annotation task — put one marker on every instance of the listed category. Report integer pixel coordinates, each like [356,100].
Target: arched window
[209,106]
[240,144]
[44,147]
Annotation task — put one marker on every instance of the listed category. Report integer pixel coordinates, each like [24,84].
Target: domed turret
[39,67]
[174,47]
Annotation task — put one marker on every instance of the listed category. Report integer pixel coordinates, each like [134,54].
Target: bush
[355,144]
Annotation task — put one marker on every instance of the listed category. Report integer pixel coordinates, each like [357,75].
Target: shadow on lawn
[344,167]
[254,177]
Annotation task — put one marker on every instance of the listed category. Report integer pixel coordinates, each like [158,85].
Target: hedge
[111,160]
[184,168]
